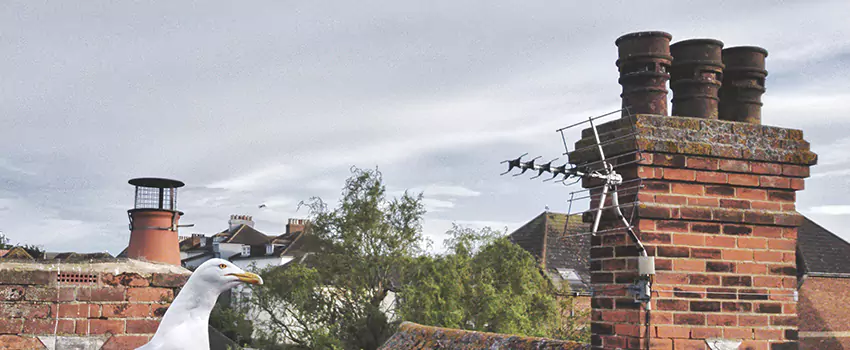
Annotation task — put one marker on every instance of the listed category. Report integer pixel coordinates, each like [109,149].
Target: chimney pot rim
[649,33]
[697,41]
[156,182]
[745,49]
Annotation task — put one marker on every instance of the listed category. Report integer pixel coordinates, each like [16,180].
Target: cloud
[274,102]
[830,209]
[436,205]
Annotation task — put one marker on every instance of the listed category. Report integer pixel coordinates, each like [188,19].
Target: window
[246,250]
[269,249]
[203,242]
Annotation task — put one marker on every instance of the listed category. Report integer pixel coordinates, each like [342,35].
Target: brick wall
[717,211]
[824,308]
[117,304]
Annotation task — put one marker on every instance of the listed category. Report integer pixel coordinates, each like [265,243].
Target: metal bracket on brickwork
[604,185]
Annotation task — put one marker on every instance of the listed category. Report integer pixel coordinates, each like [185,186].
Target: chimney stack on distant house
[716,211]
[644,65]
[743,84]
[695,77]
[236,220]
[295,225]
[154,221]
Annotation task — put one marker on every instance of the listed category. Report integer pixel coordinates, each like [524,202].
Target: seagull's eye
[223,266]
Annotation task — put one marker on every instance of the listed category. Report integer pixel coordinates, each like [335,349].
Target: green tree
[484,283]
[360,247]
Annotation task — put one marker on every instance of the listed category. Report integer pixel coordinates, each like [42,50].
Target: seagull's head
[223,275]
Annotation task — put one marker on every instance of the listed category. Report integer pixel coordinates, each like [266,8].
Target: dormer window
[269,249]
[246,250]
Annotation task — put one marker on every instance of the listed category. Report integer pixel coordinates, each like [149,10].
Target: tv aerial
[604,186]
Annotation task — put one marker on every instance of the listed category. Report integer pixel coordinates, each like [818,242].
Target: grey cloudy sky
[272,102]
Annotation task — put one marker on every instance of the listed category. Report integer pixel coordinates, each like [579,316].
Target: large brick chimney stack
[718,214]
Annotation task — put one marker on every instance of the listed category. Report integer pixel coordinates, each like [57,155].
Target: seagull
[184,326]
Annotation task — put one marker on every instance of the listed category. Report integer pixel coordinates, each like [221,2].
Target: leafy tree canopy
[367,251]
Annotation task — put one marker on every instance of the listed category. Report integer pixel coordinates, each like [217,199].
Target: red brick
[767,281]
[743,180]
[734,165]
[24,310]
[671,199]
[142,326]
[669,160]
[47,326]
[782,196]
[703,202]
[759,205]
[17,342]
[101,294]
[720,241]
[689,265]
[73,310]
[125,342]
[663,277]
[728,215]
[768,334]
[738,254]
[738,333]
[737,230]
[656,187]
[608,316]
[671,226]
[97,326]
[747,320]
[653,237]
[789,232]
[704,280]
[702,163]
[694,319]
[661,344]
[774,182]
[688,344]
[696,213]
[661,318]
[766,168]
[752,242]
[12,326]
[750,193]
[705,228]
[27,277]
[751,268]
[126,310]
[706,253]
[67,294]
[94,310]
[42,294]
[735,203]
[705,333]
[720,191]
[795,170]
[632,330]
[711,177]
[782,244]
[81,326]
[680,239]
[767,256]
[721,320]
[672,332]
[679,174]
[797,184]
[149,294]
[687,189]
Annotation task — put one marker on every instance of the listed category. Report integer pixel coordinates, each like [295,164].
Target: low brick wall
[116,303]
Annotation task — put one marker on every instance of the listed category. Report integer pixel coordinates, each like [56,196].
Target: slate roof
[820,252]
[244,234]
[412,336]
[561,253]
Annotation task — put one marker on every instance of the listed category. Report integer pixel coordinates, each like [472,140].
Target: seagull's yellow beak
[248,277]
